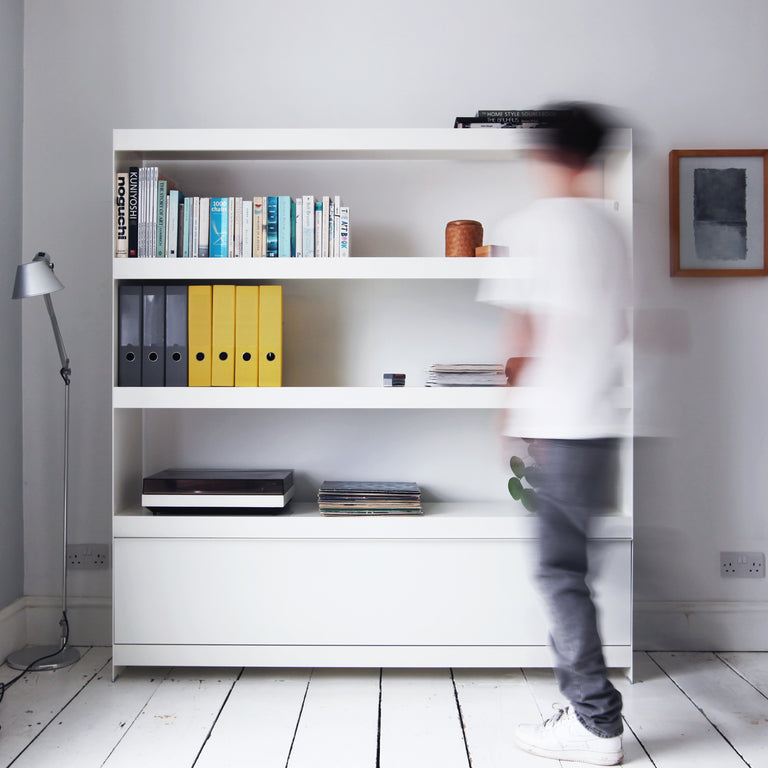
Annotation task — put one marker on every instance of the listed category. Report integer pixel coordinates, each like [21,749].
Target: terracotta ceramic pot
[462,237]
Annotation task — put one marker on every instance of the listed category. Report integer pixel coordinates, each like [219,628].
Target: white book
[299,227]
[258,224]
[231,225]
[172,237]
[264,226]
[204,248]
[194,250]
[344,233]
[247,228]
[318,230]
[167,225]
[326,220]
[308,224]
[337,226]
[238,238]
[152,226]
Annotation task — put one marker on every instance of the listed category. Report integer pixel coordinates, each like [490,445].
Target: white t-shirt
[578,297]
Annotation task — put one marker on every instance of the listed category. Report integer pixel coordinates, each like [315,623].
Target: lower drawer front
[347,592]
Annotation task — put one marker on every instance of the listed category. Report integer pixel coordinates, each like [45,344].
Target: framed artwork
[718,201]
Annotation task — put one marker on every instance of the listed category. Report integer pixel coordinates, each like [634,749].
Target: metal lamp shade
[35,278]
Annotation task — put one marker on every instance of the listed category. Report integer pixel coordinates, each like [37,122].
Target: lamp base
[56,657]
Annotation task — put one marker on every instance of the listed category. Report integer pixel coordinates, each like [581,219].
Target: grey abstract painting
[720,213]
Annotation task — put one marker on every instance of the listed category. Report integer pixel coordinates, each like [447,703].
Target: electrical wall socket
[88,556]
[745,565]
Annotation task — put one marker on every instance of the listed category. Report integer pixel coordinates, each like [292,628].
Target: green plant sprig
[522,473]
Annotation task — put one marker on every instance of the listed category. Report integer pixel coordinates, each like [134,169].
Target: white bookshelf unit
[449,588]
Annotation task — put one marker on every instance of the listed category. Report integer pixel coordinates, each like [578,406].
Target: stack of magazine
[467,375]
[369,498]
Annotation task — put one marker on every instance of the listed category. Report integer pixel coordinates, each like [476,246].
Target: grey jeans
[578,477]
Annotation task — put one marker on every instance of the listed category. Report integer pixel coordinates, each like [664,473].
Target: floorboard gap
[461,719]
[218,715]
[138,715]
[298,719]
[642,746]
[703,713]
[736,672]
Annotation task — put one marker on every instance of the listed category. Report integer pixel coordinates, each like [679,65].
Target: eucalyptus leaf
[517,465]
[515,488]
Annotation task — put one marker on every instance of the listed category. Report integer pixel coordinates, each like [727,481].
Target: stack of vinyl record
[369,498]
[466,375]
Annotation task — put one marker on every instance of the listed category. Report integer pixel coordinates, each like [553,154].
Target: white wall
[11,518]
[688,73]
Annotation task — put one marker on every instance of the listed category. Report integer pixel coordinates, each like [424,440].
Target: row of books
[153,219]
[199,335]
[369,498]
[509,118]
[466,375]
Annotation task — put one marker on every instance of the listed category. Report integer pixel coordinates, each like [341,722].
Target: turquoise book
[272,239]
[219,237]
[284,220]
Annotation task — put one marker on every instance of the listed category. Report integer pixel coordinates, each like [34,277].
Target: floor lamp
[38,279]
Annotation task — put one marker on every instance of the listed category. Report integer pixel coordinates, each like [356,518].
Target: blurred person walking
[569,346]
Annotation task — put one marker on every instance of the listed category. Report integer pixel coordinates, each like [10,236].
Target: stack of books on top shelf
[466,375]
[369,498]
[153,219]
[508,118]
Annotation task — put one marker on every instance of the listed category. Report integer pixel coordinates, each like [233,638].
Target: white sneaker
[563,737]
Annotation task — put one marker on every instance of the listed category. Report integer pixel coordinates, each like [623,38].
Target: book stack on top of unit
[369,498]
[467,375]
[508,118]
[153,219]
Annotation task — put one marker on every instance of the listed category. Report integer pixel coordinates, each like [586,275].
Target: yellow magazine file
[223,346]
[247,336]
[271,336]
[199,308]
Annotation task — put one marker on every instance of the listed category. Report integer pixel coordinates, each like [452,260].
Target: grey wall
[689,73]
[11,541]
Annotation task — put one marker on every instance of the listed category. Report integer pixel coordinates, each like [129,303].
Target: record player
[218,491]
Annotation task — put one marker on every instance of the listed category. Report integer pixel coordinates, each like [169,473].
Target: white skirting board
[700,626]
[13,627]
[671,626]
[35,621]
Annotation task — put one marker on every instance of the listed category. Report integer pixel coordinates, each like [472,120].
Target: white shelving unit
[449,588]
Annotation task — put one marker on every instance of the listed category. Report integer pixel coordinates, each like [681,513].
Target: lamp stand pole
[43,657]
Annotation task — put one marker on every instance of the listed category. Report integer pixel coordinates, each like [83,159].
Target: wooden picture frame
[718,209]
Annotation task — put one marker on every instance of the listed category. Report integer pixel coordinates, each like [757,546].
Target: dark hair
[576,132]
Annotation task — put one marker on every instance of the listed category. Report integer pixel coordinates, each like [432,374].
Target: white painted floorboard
[339,723]
[734,707]
[174,724]
[257,725]
[493,702]
[420,724]
[34,701]
[685,710]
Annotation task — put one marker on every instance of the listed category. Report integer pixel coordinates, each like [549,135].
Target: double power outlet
[745,565]
[88,556]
